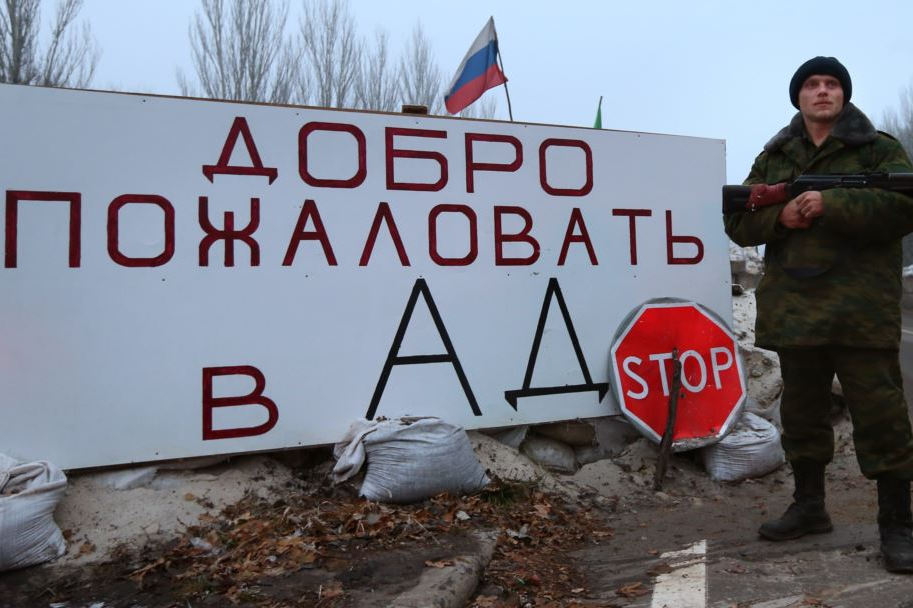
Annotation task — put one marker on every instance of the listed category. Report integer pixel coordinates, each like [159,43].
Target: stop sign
[712,377]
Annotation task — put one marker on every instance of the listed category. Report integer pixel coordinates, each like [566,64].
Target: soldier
[829,302]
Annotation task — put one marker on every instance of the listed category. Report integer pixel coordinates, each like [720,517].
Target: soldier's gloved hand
[792,217]
[764,194]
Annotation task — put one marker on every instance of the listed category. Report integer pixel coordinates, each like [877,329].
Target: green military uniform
[829,300]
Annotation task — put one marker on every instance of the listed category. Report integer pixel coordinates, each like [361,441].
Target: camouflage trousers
[873,388]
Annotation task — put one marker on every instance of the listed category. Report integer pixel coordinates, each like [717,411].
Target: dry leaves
[330,591]
[662,568]
[633,590]
[234,555]
[86,548]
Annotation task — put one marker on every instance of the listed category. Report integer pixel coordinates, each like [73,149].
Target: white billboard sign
[185,277]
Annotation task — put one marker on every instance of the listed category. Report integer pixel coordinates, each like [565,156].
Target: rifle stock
[737,199]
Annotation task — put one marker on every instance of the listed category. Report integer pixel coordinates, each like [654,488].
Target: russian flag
[478,71]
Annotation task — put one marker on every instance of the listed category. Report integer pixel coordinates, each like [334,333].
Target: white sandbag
[613,434]
[752,449]
[551,454]
[513,437]
[148,476]
[409,459]
[29,493]
[350,452]
[575,433]
[588,454]
[126,479]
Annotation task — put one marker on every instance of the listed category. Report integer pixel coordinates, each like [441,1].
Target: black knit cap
[828,66]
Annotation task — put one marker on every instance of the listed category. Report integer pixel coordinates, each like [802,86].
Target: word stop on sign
[713,388]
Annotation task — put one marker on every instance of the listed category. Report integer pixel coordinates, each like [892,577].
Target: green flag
[598,123]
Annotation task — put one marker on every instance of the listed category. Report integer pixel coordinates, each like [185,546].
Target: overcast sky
[700,67]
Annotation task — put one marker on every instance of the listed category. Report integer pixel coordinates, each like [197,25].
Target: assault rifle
[750,198]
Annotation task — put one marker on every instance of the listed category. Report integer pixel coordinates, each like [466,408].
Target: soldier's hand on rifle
[792,217]
[811,204]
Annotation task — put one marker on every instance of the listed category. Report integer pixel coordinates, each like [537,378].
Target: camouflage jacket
[837,282]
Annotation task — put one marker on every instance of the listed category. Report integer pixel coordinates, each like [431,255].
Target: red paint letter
[113,230]
[470,257]
[239,127]
[383,214]
[12,221]
[588,162]
[354,181]
[229,234]
[570,237]
[392,153]
[472,166]
[671,240]
[318,234]
[521,237]
[632,228]
[255,397]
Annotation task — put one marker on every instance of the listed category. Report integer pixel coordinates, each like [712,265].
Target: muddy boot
[807,514]
[895,524]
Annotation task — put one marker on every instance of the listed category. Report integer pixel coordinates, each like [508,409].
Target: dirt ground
[310,543]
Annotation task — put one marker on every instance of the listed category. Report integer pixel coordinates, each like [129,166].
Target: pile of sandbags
[746,265]
[563,447]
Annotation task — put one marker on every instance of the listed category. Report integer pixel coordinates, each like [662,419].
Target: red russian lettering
[12,221]
[114,230]
[255,397]
[239,127]
[588,165]
[360,174]
[383,214]
[392,153]
[632,214]
[229,234]
[583,237]
[470,257]
[472,166]
[672,240]
[319,233]
[521,237]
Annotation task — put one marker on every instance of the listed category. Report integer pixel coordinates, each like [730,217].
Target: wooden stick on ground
[665,446]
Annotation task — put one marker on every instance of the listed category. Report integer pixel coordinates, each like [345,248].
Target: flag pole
[506,92]
[510,112]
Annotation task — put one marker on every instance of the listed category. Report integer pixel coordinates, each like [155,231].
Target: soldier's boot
[807,514]
[895,525]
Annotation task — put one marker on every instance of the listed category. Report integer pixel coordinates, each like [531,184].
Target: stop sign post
[712,376]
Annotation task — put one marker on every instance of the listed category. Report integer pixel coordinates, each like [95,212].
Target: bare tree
[486,107]
[69,59]
[899,123]
[377,86]
[333,50]
[242,53]
[419,74]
